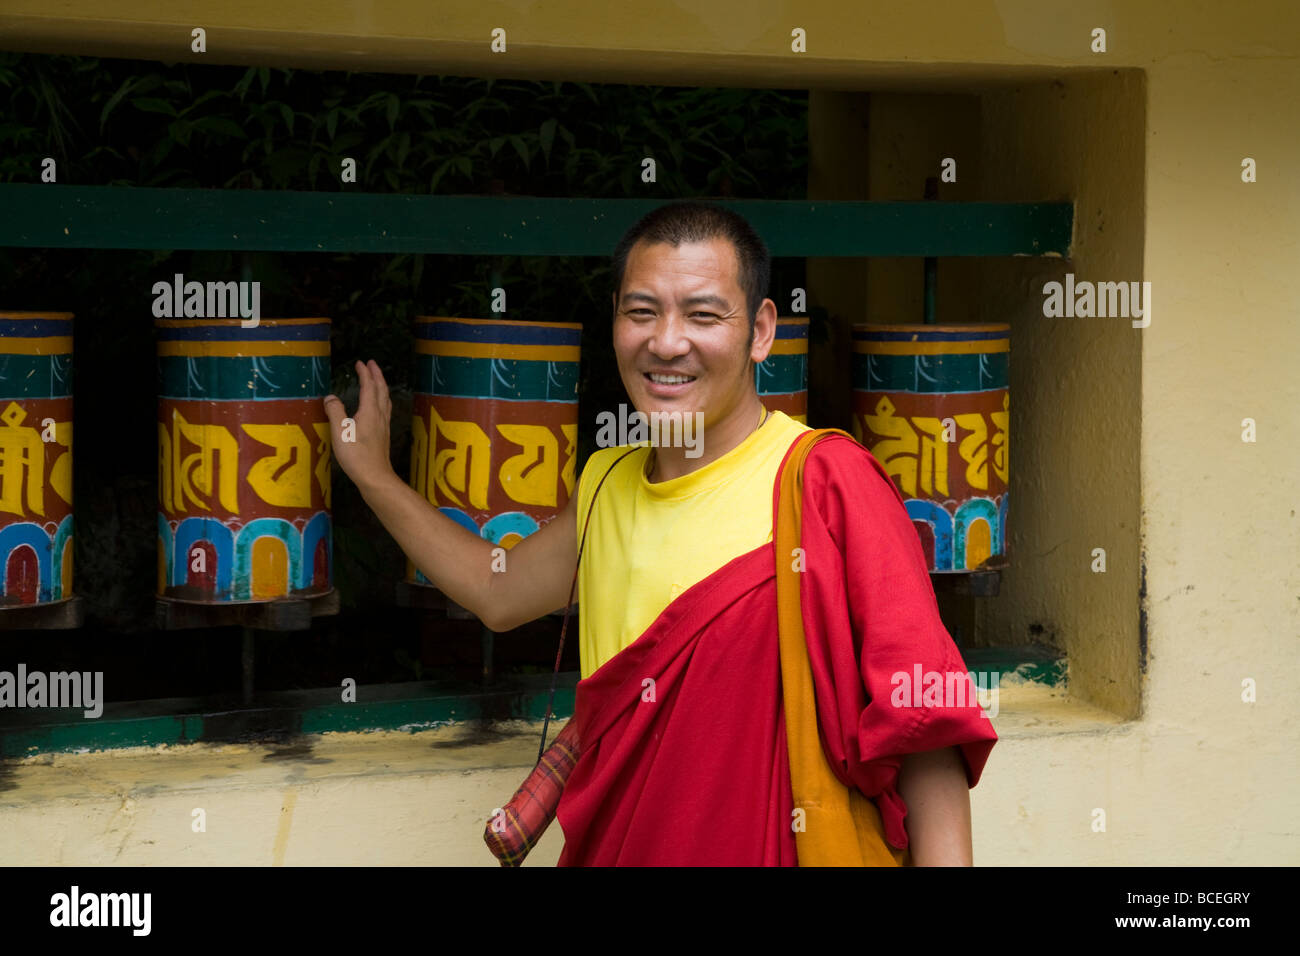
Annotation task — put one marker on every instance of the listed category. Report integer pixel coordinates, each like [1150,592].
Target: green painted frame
[128,217]
[282,716]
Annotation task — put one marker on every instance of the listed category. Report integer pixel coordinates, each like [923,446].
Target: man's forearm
[457,561]
[934,788]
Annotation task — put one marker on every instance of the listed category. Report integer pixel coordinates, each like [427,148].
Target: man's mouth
[668,379]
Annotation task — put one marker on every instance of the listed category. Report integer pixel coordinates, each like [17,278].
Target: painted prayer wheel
[782,377]
[35,458]
[494,423]
[243,460]
[931,403]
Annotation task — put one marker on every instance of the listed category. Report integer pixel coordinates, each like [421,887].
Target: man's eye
[704,315]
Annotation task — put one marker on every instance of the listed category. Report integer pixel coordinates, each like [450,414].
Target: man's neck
[714,442]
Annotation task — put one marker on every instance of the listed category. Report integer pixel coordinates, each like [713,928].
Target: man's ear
[764,331]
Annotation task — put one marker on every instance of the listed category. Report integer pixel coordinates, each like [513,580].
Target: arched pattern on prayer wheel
[243,460]
[35,458]
[495,423]
[782,377]
[931,403]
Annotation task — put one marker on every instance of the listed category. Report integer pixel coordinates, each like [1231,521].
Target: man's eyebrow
[704,298]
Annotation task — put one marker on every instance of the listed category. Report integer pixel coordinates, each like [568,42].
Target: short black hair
[699,221]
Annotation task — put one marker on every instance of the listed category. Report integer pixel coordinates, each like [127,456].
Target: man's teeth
[670,379]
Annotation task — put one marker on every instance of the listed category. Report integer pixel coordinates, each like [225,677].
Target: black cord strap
[550,701]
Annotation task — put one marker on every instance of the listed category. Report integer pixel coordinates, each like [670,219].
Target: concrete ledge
[1028,709]
[390,798]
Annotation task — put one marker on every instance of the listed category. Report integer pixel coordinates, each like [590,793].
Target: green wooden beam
[122,217]
[412,706]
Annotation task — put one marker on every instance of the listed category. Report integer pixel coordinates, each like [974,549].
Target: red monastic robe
[683,750]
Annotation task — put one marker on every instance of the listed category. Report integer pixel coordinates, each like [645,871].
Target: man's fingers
[383,399]
[334,410]
[368,397]
[379,377]
[383,389]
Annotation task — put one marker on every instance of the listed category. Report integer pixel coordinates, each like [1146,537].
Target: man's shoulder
[602,459]
[840,462]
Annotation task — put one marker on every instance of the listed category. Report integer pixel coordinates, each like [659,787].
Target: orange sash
[839,825]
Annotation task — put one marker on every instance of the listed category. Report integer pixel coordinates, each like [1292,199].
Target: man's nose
[669,338]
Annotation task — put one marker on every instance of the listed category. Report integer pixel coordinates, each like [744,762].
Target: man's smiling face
[683,314]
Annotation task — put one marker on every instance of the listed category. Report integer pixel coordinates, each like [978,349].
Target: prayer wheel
[35,458]
[243,460]
[494,423]
[931,404]
[782,377]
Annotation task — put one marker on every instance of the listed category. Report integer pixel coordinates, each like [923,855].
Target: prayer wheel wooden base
[284,614]
[56,615]
[970,584]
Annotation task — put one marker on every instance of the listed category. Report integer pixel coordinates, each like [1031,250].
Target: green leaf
[392,107]
[287,113]
[210,94]
[161,150]
[179,131]
[438,174]
[242,86]
[521,148]
[220,126]
[286,165]
[115,99]
[151,105]
[377,149]
[546,136]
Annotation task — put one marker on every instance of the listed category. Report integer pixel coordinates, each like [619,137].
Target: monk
[679,730]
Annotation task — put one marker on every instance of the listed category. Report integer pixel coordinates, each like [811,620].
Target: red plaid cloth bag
[515,829]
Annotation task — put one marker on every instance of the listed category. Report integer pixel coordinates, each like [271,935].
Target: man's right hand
[366,457]
[538,571]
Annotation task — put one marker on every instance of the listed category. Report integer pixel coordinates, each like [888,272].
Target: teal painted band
[123,725]
[515,380]
[1028,663]
[243,378]
[35,376]
[931,374]
[781,374]
[417,714]
[128,217]
[101,734]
